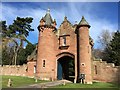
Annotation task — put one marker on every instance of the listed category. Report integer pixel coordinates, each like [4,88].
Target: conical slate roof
[47,18]
[83,22]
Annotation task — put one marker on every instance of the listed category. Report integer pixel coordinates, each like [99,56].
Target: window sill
[64,47]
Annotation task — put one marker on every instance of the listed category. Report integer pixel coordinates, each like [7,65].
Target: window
[95,69]
[43,63]
[64,40]
[34,68]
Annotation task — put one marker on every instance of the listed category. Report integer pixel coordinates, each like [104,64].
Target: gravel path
[47,84]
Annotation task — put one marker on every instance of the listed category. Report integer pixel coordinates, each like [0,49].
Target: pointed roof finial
[65,18]
[48,10]
[83,17]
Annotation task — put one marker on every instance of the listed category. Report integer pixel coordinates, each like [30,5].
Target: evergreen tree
[113,49]
[13,38]
[21,58]
[21,27]
[23,53]
[4,28]
[19,30]
[30,48]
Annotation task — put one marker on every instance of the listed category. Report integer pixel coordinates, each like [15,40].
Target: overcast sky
[100,15]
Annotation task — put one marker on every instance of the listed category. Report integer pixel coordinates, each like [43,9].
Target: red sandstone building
[62,53]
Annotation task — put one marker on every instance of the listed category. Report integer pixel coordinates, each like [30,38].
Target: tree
[6,49]
[104,39]
[21,58]
[4,28]
[23,53]
[19,30]
[21,26]
[15,35]
[103,42]
[7,56]
[4,33]
[113,49]
[97,53]
[29,48]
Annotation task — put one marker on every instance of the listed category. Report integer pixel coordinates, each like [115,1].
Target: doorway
[66,68]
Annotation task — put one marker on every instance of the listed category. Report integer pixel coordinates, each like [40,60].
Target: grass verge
[94,85]
[18,81]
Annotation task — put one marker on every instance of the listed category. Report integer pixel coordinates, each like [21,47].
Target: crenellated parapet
[105,72]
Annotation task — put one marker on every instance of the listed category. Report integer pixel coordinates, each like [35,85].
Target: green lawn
[94,85]
[18,81]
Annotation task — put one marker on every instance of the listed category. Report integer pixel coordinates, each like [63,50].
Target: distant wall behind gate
[107,72]
[19,70]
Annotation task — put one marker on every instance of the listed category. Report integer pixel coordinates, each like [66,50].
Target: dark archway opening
[66,68]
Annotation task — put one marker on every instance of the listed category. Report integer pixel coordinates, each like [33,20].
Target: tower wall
[46,54]
[85,54]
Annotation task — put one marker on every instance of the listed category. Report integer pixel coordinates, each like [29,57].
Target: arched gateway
[66,66]
[63,53]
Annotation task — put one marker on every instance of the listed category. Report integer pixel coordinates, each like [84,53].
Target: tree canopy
[4,28]
[13,37]
[21,26]
[113,49]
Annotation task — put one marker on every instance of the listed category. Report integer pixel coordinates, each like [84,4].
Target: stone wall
[102,71]
[31,68]
[19,70]
[107,72]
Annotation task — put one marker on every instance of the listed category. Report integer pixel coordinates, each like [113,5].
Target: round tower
[46,53]
[84,51]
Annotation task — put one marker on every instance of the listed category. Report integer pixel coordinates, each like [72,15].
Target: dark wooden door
[59,71]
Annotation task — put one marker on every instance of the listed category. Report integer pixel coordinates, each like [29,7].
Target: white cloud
[9,13]
[97,24]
